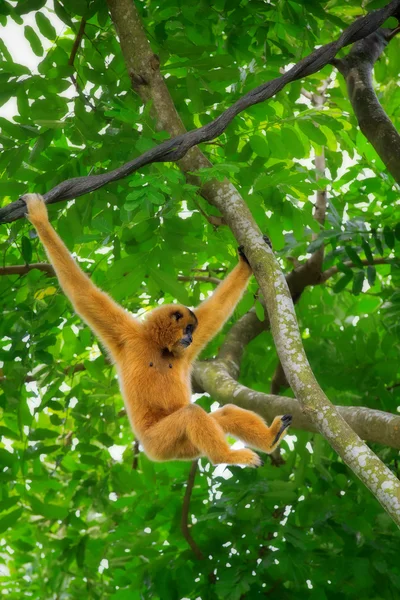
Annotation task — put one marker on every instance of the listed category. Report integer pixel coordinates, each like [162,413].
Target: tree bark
[356,68]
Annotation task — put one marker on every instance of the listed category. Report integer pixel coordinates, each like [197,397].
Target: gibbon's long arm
[216,310]
[108,320]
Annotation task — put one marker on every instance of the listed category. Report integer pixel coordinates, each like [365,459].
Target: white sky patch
[290,440]
[21,51]
[116,452]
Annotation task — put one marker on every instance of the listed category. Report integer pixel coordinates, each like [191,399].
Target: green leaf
[259,146]
[367,250]
[10,519]
[276,145]
[312,132]
[342,282]
[388,235]
[397,231]
[170,285]
[80,551]
[358,282]
[371,275]
[378,242]
[26,249]
[9,502]
[62,14]
[45,26]
[260,310]
[34,40]
[292,142]
[315,244]
[43,434]
[13,68]
[50,511]
[8,433]
[352,254]
[105,439]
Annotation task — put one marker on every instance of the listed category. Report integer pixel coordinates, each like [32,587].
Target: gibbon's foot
[267,241]
[37,211]
[244,457]
[286,420]
[241,248]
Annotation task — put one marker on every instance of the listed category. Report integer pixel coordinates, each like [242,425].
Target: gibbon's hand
[241,248]
[37,210]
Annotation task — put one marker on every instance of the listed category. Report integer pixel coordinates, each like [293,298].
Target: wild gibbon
[153,360]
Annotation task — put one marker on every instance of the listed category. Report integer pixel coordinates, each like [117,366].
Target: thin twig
[71,370]
[77,41]
[333,270]
[185,512]
[213,280]
[136,452]
[71,60]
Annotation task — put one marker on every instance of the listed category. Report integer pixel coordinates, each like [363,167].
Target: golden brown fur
[154,362]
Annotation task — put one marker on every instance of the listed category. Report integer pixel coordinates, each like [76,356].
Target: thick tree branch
[176,148]
[371,425]
[357,67]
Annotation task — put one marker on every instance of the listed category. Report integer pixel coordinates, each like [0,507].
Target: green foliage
[75,521]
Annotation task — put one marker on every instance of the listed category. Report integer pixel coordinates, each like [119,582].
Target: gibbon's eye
[177,315]
[189,329]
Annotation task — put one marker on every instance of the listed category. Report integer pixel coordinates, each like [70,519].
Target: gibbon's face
[172,327]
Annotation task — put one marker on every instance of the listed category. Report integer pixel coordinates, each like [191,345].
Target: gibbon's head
[172,327]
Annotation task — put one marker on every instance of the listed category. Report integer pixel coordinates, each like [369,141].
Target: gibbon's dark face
[172,327]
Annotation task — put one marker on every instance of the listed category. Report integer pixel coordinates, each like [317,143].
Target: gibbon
[153,360]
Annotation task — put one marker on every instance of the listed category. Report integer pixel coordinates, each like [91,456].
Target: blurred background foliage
[80,516]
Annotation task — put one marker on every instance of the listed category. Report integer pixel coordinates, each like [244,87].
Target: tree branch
[213,280]
[176,148]
[371,425]
[377,261]
[356,68]
[77,41]
[23,269]
[185,512]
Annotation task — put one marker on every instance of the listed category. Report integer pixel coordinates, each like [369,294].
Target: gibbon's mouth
[186,341]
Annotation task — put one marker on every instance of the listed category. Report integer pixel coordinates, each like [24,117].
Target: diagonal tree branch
[77,41]
[357,67]
[176,148]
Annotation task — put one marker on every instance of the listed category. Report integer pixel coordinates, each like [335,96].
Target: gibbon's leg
[189,433]
[216,310]
[108,320]
[250,428]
